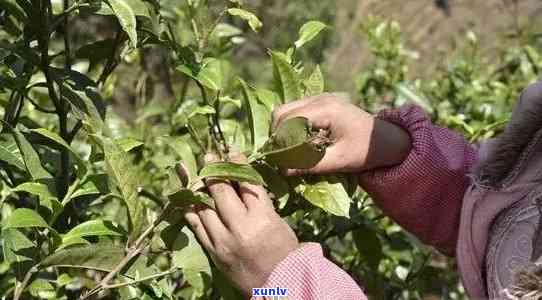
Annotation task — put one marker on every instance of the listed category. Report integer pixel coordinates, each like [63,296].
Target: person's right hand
[360,141]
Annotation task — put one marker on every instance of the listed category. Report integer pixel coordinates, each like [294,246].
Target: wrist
[391,145]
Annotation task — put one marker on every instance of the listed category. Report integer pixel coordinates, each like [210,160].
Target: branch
[118,285]
[211,121]
[19,289]
[133,251]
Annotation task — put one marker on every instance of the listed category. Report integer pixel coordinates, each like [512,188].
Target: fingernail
[237,157]
[210,157]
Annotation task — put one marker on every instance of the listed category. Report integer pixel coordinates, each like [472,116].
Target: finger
[332,162]
[238,157]
[285,108]
[316,113]
[254,196]
[228,204]
[213,225]
[199,230]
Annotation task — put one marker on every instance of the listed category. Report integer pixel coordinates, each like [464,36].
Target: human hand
[360,141]
[245,237]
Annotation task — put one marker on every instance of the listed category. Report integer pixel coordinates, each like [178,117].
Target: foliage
[91,202]
[81,190]
[472,93]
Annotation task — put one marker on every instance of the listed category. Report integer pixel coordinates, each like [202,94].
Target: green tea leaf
[34,188]
[191,258]
[185,153]
[287,81]
[128,144]
[92,228]
[95,257]
[292,146]
[258,116]
[125,177]
[126,17]
[315,83]
[276,184]
[42,289]
[9,152]
[186,197]
[211,74]
[202,110]
[71,241]
[84,103]
[60,141]
[253,21]
[15,246]
[268,98]
[369,246]
[31,157]
[232,171]
[96,52]
[328,193]
[308,32]
[22,218]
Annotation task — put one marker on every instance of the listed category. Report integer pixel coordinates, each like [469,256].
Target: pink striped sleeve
[308,275]
[424,194]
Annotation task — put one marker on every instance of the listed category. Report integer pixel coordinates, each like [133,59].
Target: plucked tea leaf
[287,81]
[24,217]
[293,146]
[126,17]
[231,171]
[96,257]
[328,194]
[258,116]
[253,21]
[308,32]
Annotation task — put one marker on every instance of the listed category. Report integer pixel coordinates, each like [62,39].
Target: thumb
[330,163]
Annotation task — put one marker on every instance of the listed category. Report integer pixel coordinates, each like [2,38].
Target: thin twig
[118,285]
[20,288]
[211,121]
[217,123]
[137,247]
[74,131]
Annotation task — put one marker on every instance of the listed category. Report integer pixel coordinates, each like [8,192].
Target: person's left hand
[245,237]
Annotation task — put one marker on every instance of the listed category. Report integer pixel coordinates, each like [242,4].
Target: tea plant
[81,194]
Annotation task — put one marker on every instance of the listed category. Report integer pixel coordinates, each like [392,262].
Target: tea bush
[91,201]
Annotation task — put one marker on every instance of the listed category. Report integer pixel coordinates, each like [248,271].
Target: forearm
[424,192]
